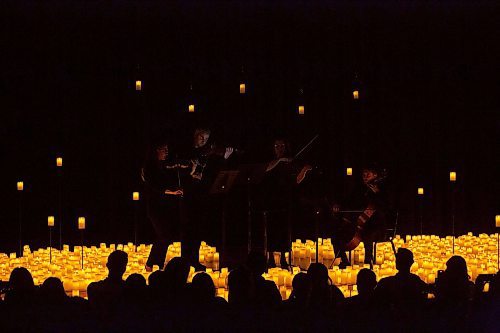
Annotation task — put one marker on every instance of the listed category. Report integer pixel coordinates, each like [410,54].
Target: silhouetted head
[135,281]
[52,290]
[202,287]
[404,260]
[301,286]
[155,280]
[240,285]
[200,137]
[21,280]
[457,267]
[318,274]
[117,263]
[281,148]
[256,262]
[177,271]
[366,281]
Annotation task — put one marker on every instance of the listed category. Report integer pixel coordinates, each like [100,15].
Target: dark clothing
[401,289]
[374,229]
[164,211]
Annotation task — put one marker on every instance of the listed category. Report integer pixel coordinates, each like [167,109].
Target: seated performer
[163,200]
[371,200]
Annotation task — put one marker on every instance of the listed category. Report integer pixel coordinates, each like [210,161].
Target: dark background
[427,73]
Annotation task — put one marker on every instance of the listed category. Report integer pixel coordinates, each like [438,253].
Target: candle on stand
[355,94]
[20,186]
[81,223]
[242,88]
[453,176]
[135,196]
[191,108]
[497,221]
[138,85]
[301,109]
[59,161]
[420,191]
[349,171]
[50,221]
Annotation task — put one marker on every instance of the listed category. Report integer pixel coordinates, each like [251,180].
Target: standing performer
[372,201]
[206,159]
[163,200]
[276,196]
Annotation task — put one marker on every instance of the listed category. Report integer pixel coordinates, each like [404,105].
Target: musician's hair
[201,130]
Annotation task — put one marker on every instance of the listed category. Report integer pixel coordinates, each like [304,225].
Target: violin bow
[306,146]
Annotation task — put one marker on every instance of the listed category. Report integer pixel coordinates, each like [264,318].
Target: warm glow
[242,88]
[20,186]
[81,223]
[420,191]
[191,108]
[135,196]
[50,221]
[301,109]
[453,176]
[497,221]
[355,94]
[59,161]
[348,171]
[138,85]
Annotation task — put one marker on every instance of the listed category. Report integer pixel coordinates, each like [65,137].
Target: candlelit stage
[430,254]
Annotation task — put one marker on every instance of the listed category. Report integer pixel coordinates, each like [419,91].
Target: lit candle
[420,191]
[138,85]
[59,161]
[355,94]
[497,221]
[135,196]
[81,223]
[50,221]
[349,171]
[301,109]
[20,186]
[242,88]
[191,108]
[453,176]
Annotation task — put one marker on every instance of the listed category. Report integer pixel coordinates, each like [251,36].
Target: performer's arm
[274,163]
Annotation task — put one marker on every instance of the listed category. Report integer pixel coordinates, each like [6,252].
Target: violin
[216,150]
[177,164]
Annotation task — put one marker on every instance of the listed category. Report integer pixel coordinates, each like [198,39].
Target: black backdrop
[427,76]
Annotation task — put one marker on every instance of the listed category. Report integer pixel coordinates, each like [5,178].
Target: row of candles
[243,88]
[430,253]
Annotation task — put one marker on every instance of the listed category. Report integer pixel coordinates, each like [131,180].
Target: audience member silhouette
[301,289]
[323,291]
[404,288]
[175,279]
[19,301]
[266,292]
[105,296]
[454,284]
[52,292]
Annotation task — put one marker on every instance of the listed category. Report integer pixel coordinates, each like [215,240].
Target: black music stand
[222,185]
[250,174]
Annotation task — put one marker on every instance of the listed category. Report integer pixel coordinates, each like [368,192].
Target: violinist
[206,160]
[370,199]
[162,194]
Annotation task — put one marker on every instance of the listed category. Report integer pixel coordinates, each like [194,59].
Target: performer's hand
[335,208]
[374,188]
[177,192]
[285,159]
[229,151]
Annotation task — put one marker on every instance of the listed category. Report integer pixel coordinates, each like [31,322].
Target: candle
[497,221]
[50,221]
[453,176]
[138,85]
[20,186]
[420,191]
[191,108]
[81,223]
[242,88]
[349,171]
[355,94]
[135,196]
[301,109]
[59,161]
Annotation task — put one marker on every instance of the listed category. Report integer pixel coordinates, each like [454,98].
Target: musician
[162,194]
[370,198]
[206,160]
